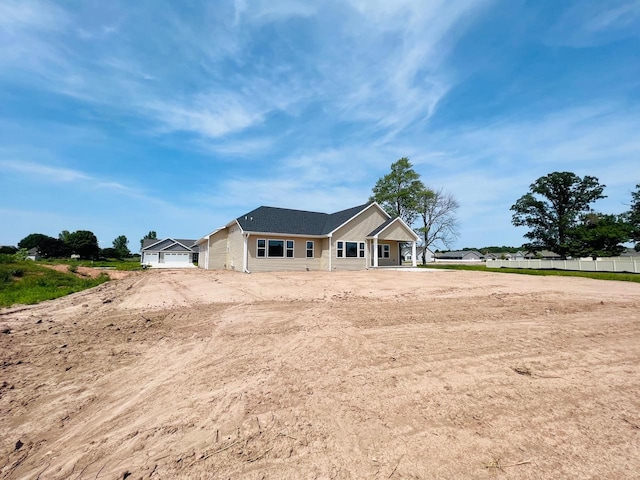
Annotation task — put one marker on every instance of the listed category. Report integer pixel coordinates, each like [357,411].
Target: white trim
[416,236]
[358,249]
[285,235]
[284,247]
[330,258]
[313,249]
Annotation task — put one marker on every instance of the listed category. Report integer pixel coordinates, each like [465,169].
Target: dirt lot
[380,374]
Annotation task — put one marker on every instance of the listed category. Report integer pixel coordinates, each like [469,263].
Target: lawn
[624,277]
[128,264]
[26,282]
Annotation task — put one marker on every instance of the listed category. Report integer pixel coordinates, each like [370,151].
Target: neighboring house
[542,255]
[407,254]
[460,255]
[276,239]
[33,254]
[168,253]
[630,252]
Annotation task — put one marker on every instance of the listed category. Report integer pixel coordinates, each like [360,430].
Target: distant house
[33,254]
[460,255]
[168,253]
[542,255]
[407,254]
[277,239]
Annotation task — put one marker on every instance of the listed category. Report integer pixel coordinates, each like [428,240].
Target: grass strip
[623,277]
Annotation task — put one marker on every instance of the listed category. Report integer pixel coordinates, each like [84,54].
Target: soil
[92,272]
[374,374]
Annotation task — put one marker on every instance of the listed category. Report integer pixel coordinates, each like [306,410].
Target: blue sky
[122,117]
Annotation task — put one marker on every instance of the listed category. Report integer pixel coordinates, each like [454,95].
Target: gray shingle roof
[295,222]
[163,243]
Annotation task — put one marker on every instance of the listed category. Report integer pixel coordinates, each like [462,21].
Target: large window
[275,248]
[310,249]
[350,249]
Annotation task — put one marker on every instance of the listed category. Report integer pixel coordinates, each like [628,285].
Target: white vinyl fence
[614,264]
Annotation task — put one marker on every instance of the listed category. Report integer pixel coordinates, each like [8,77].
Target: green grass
[128,265]
[624,277]
[28,283]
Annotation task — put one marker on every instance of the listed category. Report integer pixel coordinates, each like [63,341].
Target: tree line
[83,243]
[558,212]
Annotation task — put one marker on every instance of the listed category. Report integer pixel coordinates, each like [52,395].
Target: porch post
[375,252]
[413,255]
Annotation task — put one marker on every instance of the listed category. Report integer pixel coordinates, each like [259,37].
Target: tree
[634,216]
[120,245]
[152,235]
[53,248]
[8,249]
[109,253]
[397,192]
[32,240]
[64,236]
[600,235]
[438,212]
[84,243]
[552,207]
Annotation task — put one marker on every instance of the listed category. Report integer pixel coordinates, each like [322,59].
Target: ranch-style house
[278,239]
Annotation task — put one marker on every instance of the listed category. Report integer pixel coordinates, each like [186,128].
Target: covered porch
[385,244]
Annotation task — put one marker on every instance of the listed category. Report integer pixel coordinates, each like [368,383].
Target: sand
[375,374]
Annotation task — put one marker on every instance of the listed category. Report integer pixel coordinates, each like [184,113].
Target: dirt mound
[378,374]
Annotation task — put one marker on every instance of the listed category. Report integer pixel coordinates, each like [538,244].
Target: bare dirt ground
[377,374]
[91,271]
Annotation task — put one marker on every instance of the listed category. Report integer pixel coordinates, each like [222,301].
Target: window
[276,248]
[261,251]
[350,249]
[384,250]
[289,248]
[309,249]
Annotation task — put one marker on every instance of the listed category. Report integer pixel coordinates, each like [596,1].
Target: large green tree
[32,240]
[120,246]
[599,235]
[398,191]
[83,243]
[552,209]
[152,235]
[437,209]
[634,216]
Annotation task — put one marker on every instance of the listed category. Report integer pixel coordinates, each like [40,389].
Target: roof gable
[169,244]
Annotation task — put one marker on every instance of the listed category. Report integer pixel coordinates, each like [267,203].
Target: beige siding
[356,230]
[393,254]
[218,250]
[299,262]
[396,232]
[235,248]
[324,254]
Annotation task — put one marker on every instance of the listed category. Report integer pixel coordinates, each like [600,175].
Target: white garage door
[150,258]
[174,257]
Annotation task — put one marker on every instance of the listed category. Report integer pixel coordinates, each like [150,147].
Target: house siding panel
[396,232]
[300,262]
[218,250]
[235,247]
[356,230]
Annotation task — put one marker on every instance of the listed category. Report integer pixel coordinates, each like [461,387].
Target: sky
[124,117]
